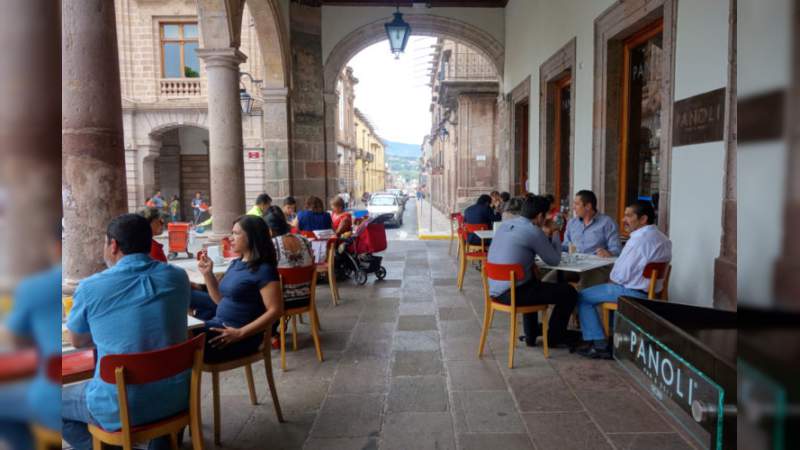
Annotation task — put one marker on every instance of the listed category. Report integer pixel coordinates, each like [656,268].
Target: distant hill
[403,150]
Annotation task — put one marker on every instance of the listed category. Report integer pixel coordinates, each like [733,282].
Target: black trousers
[562,295]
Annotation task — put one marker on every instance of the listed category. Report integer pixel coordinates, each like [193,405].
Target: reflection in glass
[190,60]
[172,32]
[172,60]
[190,31]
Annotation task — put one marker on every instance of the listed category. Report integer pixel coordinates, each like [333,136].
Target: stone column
[503,151]
[725,265]
[226,164]
[93,157]
[30,142]
[146,156]
[331,154]
[277,179]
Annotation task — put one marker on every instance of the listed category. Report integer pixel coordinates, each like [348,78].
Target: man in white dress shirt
[647,244]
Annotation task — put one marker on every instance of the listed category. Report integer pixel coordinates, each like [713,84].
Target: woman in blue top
[248,299]
[314,216]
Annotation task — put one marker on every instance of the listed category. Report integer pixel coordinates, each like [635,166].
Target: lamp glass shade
[398,31]
[246,101]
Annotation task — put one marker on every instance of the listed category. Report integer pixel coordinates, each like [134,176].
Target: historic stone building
[463,137]
[370,167]
[346,148]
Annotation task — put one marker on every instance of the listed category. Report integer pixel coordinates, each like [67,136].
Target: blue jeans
[589,298]
[76,417]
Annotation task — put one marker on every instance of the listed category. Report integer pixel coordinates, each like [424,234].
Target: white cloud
[394,93]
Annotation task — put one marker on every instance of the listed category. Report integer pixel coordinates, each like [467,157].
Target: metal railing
[469,66]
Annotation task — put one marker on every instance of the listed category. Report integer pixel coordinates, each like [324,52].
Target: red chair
[148,367]
[298,275]
[456,222]
[308,234]
[653,271]
[77,366]
[467,252]
[510,273]
[18,365]
[327,268]
[227,249]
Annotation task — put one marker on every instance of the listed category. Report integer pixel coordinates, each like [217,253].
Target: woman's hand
[205,265]
[226,337]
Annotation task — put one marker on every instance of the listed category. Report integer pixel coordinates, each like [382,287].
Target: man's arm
[80,340]
[612,239]
[547,247]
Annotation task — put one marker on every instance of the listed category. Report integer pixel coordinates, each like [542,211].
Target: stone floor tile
[419,431]
[363,377]
[485,412]
[481,375]
[235,412]
[416,341]
[451,313]
[418,394]
[373,331]
[459,329]
[648,441]
[289,435]
[367,350]
[296,397]
[342,444]
[417,364]
[543,393]
[464,349]
[349,416]
[329,341]
[622,410]
[416,323]
[337,323]
[379,316]
[588,374]
[565,431]
[483,441]
[413,309]
[304,365]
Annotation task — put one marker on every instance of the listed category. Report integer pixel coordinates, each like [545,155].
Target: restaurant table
[77,364]
[197,278]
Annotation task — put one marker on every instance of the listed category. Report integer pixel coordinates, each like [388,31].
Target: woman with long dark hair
[248,299]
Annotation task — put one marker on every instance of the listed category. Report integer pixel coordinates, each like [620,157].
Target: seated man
[591,232]
[263,202]
[518,241]
[647,244]
[480,213]
[136,305]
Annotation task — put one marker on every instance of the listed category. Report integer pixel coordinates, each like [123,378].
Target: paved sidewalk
[401,372]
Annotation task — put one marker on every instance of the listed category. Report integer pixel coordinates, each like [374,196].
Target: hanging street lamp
[398,31]
[244,97]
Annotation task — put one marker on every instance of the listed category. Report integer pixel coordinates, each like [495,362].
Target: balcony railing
[181,87]
[469,66]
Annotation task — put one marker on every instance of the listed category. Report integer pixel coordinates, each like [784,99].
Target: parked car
[399,194]
[386,204]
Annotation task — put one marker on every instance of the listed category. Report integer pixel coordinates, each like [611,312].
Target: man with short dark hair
[480,213]
[136,305]
[647,244]
[519,241]
[263,202]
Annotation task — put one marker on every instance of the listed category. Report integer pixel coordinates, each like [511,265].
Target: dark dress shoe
[595,353]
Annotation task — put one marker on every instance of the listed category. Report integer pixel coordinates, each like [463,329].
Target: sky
[394,93]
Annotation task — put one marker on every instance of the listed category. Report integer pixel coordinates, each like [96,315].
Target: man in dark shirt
[480,213]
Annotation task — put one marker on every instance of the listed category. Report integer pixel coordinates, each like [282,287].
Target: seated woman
[341,219]
[314,216]
[248,299]
[156,220]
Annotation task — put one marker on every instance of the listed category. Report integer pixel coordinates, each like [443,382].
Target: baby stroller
[357,261]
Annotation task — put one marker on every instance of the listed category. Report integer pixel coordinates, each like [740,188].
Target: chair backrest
[468,228]
[308,234]
[457,217]
[297,275]
[53,368]
[654,272]
[502,272]
[147,367]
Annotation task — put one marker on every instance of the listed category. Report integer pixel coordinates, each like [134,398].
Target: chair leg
[487,317]
[196,427]
[271,384]
[512,339]
[332,284]
[314,333]
[294,333]
[462,267]
[173,441]
[215,395]
[251,385]
[282,328]
[301,318]
[604,318]
[545,333]
[96,444]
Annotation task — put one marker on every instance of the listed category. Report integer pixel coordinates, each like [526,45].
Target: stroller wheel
[360,277]
[380,273]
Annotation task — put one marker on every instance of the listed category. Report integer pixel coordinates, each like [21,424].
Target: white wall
[535,29]
[763,49]
[339,21]
[191,140]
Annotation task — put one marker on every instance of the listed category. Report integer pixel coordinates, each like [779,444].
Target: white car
[386,204]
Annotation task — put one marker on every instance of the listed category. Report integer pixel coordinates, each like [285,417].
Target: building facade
[346,148]
[370,167]
[463,139]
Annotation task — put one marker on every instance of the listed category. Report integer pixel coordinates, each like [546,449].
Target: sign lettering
[699,119]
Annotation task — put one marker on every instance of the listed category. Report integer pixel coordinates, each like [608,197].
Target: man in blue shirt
[480,213]
[591,232]
[136,305]
[518,241]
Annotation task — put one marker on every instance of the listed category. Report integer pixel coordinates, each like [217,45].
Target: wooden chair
[510,273]
[467,252]
[147,367]
[653,271]
[263,353]
[46,438]
[297,275]
[456,222]
[77,366]
[327,268]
